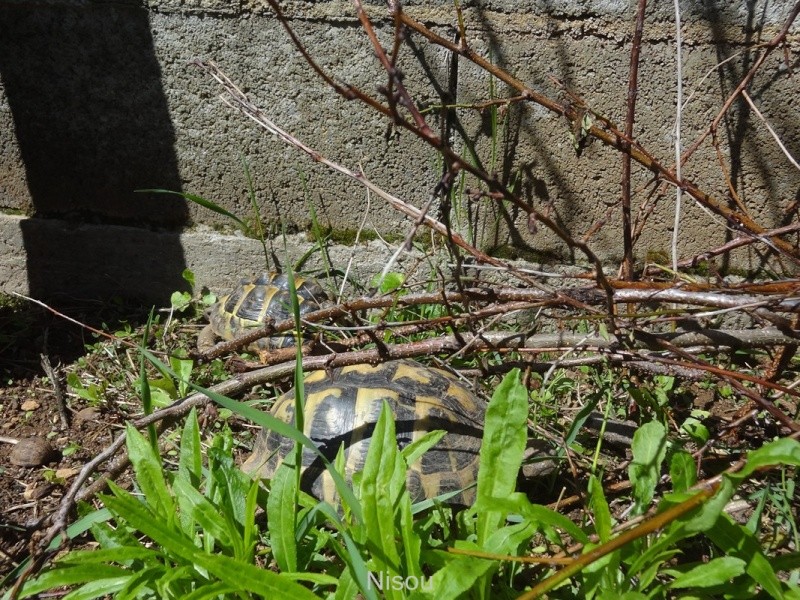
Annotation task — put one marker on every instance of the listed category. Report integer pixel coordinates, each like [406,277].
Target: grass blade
[201,202]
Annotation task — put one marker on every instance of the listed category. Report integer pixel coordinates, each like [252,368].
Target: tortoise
[342,407]
[254,301]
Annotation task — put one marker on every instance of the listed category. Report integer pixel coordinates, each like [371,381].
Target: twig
[737,243]
[791,158]
[678,109]
[454,161]
[769,47]
[61,401]
[630,114]
[610,135]
[99,332]
[238,100]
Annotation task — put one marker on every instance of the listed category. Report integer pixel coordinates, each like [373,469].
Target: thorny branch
[610,135]
[451,158]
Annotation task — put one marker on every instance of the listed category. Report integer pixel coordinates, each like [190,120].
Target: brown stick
[633,81]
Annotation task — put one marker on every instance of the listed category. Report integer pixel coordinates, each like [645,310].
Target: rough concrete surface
[103,261]
[97,101]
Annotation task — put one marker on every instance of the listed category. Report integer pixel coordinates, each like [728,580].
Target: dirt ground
[30,408]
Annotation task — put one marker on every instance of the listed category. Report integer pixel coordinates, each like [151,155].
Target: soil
[30,407]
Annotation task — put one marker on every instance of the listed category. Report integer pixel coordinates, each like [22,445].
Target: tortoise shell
[255,300]
[342,407]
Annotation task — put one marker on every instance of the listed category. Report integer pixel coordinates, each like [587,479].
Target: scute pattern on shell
[343,406]
[255,300]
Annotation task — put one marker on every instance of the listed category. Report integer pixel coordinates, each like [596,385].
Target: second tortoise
[253,302]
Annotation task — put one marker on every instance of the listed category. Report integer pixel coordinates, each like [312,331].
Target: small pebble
[30,405]
[66,473]
[87,414]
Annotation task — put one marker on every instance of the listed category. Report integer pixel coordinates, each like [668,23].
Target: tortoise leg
[206,339]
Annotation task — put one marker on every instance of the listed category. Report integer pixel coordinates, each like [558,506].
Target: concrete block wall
[98,100]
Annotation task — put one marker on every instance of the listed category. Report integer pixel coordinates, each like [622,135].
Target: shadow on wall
[92,125]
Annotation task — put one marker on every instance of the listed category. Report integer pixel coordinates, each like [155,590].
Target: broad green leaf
[188,276]
[510,539]
[190,460]
[599,506]
[682,471]
[412,543]
[203,512]
[108,555]
[230,484]
[183,367]
[716,572]
[72,575]
[504,439]
[383,480]
[785,451]
[149,474]
[696,430]
[649,449]
[310,577]
[458,576]
[388,283]
[281,515]
[736,541]
[250,530]
[417,448]
[544,519]
[97,589]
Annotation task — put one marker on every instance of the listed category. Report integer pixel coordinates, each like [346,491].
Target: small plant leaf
[383,481]
[599,506]
[459,576]
[716,572]
[74,575]
[501,453]
[649,449]
[205,514]
[784,451]
[190,459]
[149,474]
[682,471]
[281,513]
[417,448]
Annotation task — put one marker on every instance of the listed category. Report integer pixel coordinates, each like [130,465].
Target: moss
[658,257]
[509,252]
[347,237]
